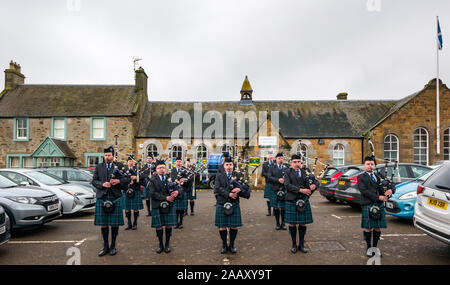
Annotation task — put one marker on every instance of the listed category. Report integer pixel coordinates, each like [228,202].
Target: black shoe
[177,226]
[268,212]
[167,249]
[232,249]
[294,249]
[302,248]
[103,252]
[129,227]
[160,249]
[134,227]
[180,226]
[283,227]
[192,213]
[277,227]
[149,214]
[224,250]
[112,251]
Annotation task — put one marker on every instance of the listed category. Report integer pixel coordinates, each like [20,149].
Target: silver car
[74,198]
[72,174]
[4,227]
[26,206]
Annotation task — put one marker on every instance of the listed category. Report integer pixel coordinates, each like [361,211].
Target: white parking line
[337,217]
[41,241]
[403,235]
[80,242]
[74,220]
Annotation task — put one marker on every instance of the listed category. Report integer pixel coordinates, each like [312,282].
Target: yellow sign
[254,161]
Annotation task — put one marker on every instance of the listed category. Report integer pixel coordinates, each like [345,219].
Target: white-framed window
[227,148]
[447,144]
[98,128]
[93,159]
[177,151]
[391,148]
[302,150]
[59,125]
[152,150]
[48,161]
[421,146]
[21,128]
[202,152]
[27,162]
[14,161]
[338,155]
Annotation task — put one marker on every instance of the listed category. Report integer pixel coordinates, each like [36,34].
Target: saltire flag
[439,35]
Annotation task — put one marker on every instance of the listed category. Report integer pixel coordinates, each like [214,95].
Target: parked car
[402,202]
[73,175]
[74,198]
[330,180]
[432,212]
[348,192]
[27,206]
[4,228]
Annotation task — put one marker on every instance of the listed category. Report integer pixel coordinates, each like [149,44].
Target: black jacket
[370,190]
[274,174]
[222,188]
[293,183]
[148,171]
[136,185]
[265,170]
[101,175]
[158,191]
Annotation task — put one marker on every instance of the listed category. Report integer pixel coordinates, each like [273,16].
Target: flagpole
[438,131]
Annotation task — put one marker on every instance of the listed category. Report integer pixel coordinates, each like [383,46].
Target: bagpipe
[301,204]
[164,206]
[109,206]
[240,183]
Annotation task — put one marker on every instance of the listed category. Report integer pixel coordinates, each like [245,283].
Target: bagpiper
[177,174]
[190,189]
[109,182]
[298,209]
[373,196]
[149,169]
[267,190]
[132,199]
[228,187]
[277,199]
[163,194]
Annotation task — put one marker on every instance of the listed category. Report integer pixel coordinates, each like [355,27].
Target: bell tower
[246,92]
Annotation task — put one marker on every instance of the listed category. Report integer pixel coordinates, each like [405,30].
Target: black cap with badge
[109,149]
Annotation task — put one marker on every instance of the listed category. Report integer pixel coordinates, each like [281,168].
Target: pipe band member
[276,181]
[177,174]
[163,209]
[265,172]
[108,190]
[373,197]
[298,188]
[133,203]
[149,169]
[190,189]
[228,187]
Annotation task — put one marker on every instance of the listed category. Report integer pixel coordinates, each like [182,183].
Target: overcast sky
[202,49]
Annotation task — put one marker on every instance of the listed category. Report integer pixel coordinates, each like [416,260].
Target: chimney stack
[13,76]
[342,96]
[141,80]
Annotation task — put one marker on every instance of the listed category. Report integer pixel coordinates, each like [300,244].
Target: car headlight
[409,195]
[23,200]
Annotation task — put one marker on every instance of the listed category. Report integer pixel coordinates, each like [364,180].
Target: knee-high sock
[301,233]
[282,215]
[168,234]
[293,232]
[128,215]
[114,234]
[223,236]
[159,234]
[268,205]
[136,215]
[376,238]
[367,238]
[277,215]
[181,217]
[233,234]
[192,203]
[105,235]
[147,203]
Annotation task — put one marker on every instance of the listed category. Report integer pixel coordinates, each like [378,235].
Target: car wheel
[211,183]
[11,220]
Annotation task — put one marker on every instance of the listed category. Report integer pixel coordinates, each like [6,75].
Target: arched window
[227,148]
[421,146]
[152,150]
[391,148]
[447,144]
[202,152]
[338,155]
[302,150]
[177,151]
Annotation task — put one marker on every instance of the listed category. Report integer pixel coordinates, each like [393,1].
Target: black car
[329,181]
[348,192]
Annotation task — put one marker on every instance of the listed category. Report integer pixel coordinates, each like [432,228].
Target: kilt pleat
[134,203]
[190,196]
[293,217]
[146,193]
[164,220]
[267,191]
[275,203]
[367,222]
[234,220]
[113,219]
[181,204]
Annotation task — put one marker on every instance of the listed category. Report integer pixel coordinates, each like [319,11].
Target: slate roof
[64,147]
[36,100]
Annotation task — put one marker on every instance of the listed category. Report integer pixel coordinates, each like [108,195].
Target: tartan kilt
[182,204]
[113,219]
[168,220]
[146,193]
[232,221]
[267,191]
[190,196]
[367,222]
[274,202]
[293,217]
[134,203]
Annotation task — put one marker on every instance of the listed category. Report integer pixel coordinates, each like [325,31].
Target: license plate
[52,207]
[341,182]
[2,230]
[324,181]
[389,205]
[437,203]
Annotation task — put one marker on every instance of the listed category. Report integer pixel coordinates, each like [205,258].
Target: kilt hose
[113,219]
[164,220]
[294,217]
[234,220]
[134,203]
[367,222]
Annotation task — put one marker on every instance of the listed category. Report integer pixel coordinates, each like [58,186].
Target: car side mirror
[24,184]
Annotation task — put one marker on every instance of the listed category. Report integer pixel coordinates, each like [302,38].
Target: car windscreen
[351,172]
[330,172]
[78,175]
[46,178]
[440,180]
[6,183]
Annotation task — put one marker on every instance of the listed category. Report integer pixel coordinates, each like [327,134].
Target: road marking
[74,220]
[80,242]
[403,235]
[41,241]
[314,207]
[337,217]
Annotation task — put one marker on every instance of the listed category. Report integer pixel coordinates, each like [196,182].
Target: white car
[432,210]
[74,198]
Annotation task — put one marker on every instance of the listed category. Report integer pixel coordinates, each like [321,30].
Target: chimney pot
[342,96]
